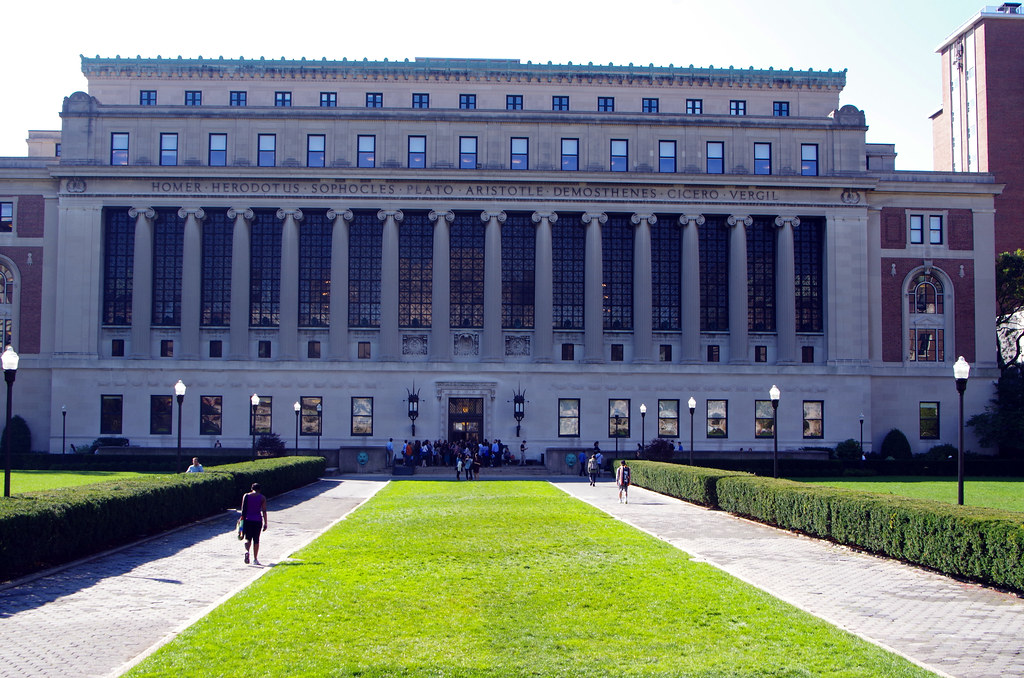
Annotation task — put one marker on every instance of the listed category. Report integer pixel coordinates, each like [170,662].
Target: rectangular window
[716,157]
[417,152]
[211,412]
[617,353]
[282,99]
[263,349]
[216,348]
[110,414]
[916,229]
[760,354]
[568,351]
[809,160]
[814,419]
[668,418]
[780,109]
[313,350]
[6,217]
[714,354]
[160,411]
[665,353]
[147,97]
[267,150]
[218,150]
[737,107]
[520,153]
[117,348]
[119,148]
[367,151]
[56,150]
[619,155]
[467,101]
[606,104]
[420,100]
[568,417]
[559,103]
[167,348]
[718,419]
[467,152]
[316,145]
[762,158]
[929,420]
[374,100]
[570,154]
[311,418]
[328,99]
[935,230]
[363,350]
[666,156]
[926,345]
[694,106]
[362,416]
[764,422]
[193,98]
[807,354]
[261,418]
[618,418]
[649,106]
[168,149]
[513,102]
[237,99]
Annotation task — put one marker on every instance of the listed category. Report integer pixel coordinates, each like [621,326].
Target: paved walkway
[101,615]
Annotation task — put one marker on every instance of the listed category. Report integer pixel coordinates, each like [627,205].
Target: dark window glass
[421,100]
[570,154]
[316,150]
[606,104]
[714,275]
[513,102]
[311,420]
[168,239]
[364,259]
[666,244]
[160,415]
[520,153]
[166,348]
[517,271]
[110,415]
[147,97]
[809,160]
[267,150]
[417,152]
[119,148]
[780,109]
[568,351]
[716,157]
[328,99]
[56,150]
[761,275]
[263,350]
[467,152]
[568,248]
[666,156]
[374,100]
[313,350]
[929,420]
[117,348]
[760,354]
[808,248]
[694,106]
[118,265]
[415,270]
[218,150]
[216,348]
[193,98]
[168,149]
[282,99]
[363,350]
[560,103]
[714,355]
[265,270]
[211,411]
[237,99]
[314,269]
[737,107]
[367,151]
[260,421]
[216,285]
[665,353]
[467,101]
[616,353]
[6,218]
[649,106]
[467,270]
[762,158]
[619,155]
[617,253]
[807,354]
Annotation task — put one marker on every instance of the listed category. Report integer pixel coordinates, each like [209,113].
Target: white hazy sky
[888,47]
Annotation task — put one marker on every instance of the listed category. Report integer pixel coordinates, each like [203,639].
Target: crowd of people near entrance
[467,457]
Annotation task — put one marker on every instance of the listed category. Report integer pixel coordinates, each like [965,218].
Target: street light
[693,406]
[9,359]
[179,393]
[298,408]
[774,394]
[862,434]
[253,401]
[961,371]
[414,407]
[643,415]
[319,424]
[518,408]
[63,428]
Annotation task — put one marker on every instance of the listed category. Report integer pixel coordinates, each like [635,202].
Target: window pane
[718,418]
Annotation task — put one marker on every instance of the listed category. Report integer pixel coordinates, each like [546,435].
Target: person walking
[254,507]
[196,467]
[389,454]
[581,460]
[592,469]
[522,453]
[622,478]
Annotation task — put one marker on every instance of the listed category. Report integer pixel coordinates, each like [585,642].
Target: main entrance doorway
[465,419]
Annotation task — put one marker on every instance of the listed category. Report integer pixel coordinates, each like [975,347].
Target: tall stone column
[643,330]
[142,281]
[240,264]
[785,291]
[738,324]
[288,302]
[493,349]
[689,288]
[441,287]
[390,341]
[191,281]
[337,337]
[593,299]
[543,286]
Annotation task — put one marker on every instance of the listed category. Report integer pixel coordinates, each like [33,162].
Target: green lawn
[505,579]
[30,481]
[998,493]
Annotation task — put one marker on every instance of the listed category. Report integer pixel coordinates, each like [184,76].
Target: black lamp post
[10,364]
[774,394]
[414,407]
[63,429]
[254,401]
[319,424]
[617,419]
[519,409]
[861,434]
[693,406]
[298,408]
[643,416]
[179,393]
[961,371]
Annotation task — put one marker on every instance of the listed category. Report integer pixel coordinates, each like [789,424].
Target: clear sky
[888,47]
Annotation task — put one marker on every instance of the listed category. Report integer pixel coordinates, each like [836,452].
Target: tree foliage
[1001,425]
[1010,307]
[896,445]
[21,437]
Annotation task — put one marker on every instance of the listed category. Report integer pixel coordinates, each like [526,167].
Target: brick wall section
[961,230]
[30,216]
[894,297]
[894,228]
[30,312]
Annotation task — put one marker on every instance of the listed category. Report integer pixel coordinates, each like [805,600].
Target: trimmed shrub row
[984,545]
[41,529]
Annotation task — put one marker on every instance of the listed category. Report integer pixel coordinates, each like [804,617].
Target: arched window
[924,294]
[926,316]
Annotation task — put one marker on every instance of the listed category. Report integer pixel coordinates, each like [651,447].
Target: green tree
[896,445]
[21,437]
[1001,425]
[1010,307]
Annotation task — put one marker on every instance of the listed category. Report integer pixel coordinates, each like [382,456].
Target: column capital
[688,219]
[397,215]
[294,214]
[486,216]
[552,217]
[145,212]
[437,215]
[637,218]
[244,212]
[333,214]
[781,221]
[601,217]
[197,212]
[736,220]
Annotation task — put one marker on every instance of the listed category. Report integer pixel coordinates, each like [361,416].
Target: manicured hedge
[40,529]
[690,483]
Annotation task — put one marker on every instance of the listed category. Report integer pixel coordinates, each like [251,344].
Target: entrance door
[465,419]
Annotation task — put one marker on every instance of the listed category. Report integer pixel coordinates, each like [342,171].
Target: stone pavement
[946,626]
